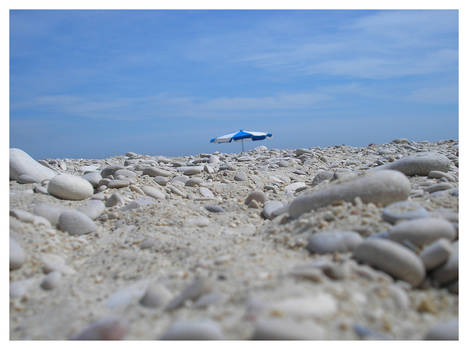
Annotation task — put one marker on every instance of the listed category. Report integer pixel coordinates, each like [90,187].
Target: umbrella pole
[242,145]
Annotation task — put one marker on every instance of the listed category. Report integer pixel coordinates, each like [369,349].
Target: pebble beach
[320,243]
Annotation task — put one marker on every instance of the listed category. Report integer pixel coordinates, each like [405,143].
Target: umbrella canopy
[241,136]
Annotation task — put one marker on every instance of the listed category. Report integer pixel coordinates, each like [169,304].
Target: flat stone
[71,187]
[152,171]
[118,183]
[124,173]
[405,210]
[26,179]
[320,305]
[161,180]
[153,192]
[322,175]
[419,164]
[193,330]
[294,186]
[439,187]
[193,291]
[380,187]
[422,231]
[114,199]
[21,163]
[393,258]
[92,208]
[193,182]
[76,223]
[447,330]
[190,170]
[435,174]
[53,262]
[110,170]
[109,328]
[17,255]
[205,192]
[330,242]
[214,208]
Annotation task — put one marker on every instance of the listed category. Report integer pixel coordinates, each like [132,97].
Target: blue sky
[91,84]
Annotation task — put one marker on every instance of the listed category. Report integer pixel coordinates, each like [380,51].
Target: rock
[92,208]
[435,174]
[272,329]
[258,196]
[114,199]
[181,179]
[124,173]
[26,179]
[153,192]
[330,242]
[193,291]
[161,180]
[214,208]
[156,295]
[240,177]
[442,186]
[50,212]
[22,164]
[448,272]
[110,170]
[270,207]
[51,280]
[436,253]
[380,187]
[405,210]
[193,330]
[193,182]
[205,192]
[17,255]
[71,187]
[110,328]
[25,216]
[52,262]
[76,223]
[118,183]
[190,170]
[93,178]
[18,289]
[40,189]
[393,258]
[419,164]
[443,331]
[322,175]
[153,172]
[294,186]
[422,231]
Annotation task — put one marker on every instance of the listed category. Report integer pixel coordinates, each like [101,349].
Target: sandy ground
[244,260]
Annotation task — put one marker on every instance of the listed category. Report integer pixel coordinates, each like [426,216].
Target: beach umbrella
[241,136]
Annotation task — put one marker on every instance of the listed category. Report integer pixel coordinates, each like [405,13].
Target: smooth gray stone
[270,207]
[193,330]
[442,186]
[436,253]
[193,182]
[273,329]
[152,171]
[161,180]
[70,187]
[26,179]
[48,211]
[19,288]
[258,196]
[449,271]
[369,334]
[214,208]
[330,242]
[118,183]
[110,170]
[443,331]
[153,192]
[190,170]
[17,255]
[51,280]
[435,174]
[419,164]
[380,187]
[76,223]
[422,231]
[125,173]
[109,328]
[405,210]
[22,164]
[156,295]
[114,199]
[393,258]
[92,208]
[240,177]
[322,175]
[93,177]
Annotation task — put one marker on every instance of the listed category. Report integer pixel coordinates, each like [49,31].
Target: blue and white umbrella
[241,136]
